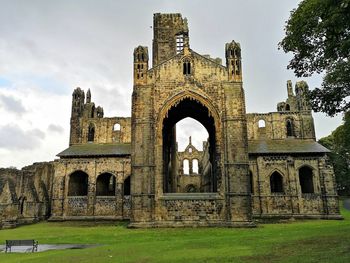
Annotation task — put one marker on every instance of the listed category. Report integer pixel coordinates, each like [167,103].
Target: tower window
[179,43]
[187,68]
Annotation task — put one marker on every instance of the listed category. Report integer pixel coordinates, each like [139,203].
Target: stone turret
[233,61]
[140,65]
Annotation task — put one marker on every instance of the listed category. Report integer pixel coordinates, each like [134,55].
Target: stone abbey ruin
[254,166]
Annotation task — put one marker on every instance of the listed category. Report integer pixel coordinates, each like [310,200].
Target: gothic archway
[180,109]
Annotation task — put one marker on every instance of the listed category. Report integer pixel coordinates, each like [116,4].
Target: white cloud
[55,128]
[17,138]
[12,105]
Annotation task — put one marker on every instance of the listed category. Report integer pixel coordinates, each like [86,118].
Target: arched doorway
[188,107]
[306,180]
[105,185]
[78,184]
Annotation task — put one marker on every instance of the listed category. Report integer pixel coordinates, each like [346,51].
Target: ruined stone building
[253,166]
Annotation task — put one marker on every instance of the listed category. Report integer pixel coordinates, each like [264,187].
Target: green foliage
[301,241]
[318,35]
[339,143]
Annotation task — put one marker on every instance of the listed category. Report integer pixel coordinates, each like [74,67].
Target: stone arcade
[253,166]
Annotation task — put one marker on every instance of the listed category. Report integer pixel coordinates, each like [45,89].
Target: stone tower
[78,99]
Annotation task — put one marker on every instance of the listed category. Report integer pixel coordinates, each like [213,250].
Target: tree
[318,35]
[339,144]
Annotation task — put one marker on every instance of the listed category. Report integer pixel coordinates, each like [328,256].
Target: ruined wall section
[293,118]
[89,125]
[276,125]
[107,130]
[170,34]
[25,194]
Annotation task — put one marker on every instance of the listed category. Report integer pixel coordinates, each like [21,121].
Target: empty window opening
[105,185]
[179,43]
[287,107]
[91,133]
[186,166]
[190,150]
[127,186]
[306,180]
[261,124]
[195,166]
[290,129]
[276,183]
[21,204]
[116,127]
[187,68]
[78,184]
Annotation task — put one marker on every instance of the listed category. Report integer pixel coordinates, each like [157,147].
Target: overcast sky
[47,48]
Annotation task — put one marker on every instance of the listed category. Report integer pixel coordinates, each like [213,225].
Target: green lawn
[299,241]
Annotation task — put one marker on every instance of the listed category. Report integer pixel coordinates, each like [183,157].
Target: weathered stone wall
[276,125]
[104,130]
[25,194]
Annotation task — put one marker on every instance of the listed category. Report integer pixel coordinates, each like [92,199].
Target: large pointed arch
[183,105]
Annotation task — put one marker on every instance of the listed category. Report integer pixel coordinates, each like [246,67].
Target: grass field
[298,241]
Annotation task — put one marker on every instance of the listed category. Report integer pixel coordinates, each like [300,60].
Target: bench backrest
[29,242]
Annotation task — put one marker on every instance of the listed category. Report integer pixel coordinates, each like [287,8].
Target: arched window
[190,150]
[306,180]
[287,107]
[195,166]
[116,127]
[127,186]
[187,68]
[261,123]
[91,133]
[186,166]
[251,182]
[276,183]
[290,128]
[105,185]
[78,184]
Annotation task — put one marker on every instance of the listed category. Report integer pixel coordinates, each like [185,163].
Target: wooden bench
[16,243]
